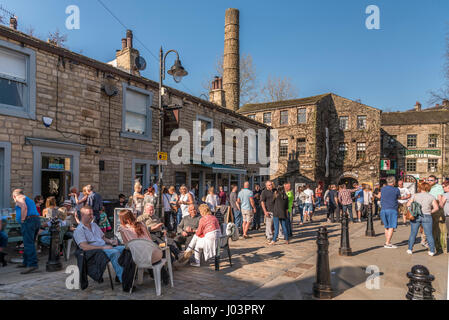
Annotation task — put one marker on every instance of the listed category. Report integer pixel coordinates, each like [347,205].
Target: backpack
[416,209]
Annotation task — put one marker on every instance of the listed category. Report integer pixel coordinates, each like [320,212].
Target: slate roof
[415,117]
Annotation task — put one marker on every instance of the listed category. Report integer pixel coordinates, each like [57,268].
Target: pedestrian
[308,203]
[319,195]
[300,197]
[267,203]
[402,204]
[212,200]
[185,199]
[376,200]
[332,204]
[238,219]
[104,225]
[28,217]
[245,203]
[174,204]
[51,210]
[78,200]
[291,198]
[367,208]
[150,197]
[257,217]
[169,213]
[345,199]
[359,201]
[427,206]
[138,198]
[439,226]
[39,201]
[94,201]
[444,203]
[389,196]
[222,196]
[280,214]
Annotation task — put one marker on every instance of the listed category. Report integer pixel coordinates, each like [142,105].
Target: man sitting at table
[89,236]
[187,227]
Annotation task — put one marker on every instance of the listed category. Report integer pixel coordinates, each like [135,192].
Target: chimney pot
[446,103]
[129,38]
[124,43]
[13,23]
[418,106]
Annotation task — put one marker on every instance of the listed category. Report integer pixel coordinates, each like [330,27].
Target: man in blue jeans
[389,196]
[28,216]
[238,218]
[88,236]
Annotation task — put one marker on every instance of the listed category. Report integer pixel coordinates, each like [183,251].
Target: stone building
[416,142]
[323,138]
[66,119]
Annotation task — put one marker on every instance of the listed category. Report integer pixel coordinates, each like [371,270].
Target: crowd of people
[190,227]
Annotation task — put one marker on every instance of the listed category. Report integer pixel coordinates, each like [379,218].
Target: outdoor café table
[13,225]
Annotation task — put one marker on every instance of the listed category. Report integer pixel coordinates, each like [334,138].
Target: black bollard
[53,263]
[322,288]
[420,285]
[345,249]
[369,224]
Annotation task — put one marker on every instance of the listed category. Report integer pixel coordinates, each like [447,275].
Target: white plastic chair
[67,247]
[141,251]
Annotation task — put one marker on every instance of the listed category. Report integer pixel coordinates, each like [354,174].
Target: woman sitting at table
[131,229]
[51,210]
[3,242]
[205,238]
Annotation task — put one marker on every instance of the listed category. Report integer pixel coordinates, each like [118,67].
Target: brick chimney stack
[217,94]
[126,57]
[13,23]
[418,106]
[231,60]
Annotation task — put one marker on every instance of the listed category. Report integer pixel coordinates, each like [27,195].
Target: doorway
[56,177]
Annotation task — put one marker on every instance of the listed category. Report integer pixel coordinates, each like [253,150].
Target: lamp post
[178,72]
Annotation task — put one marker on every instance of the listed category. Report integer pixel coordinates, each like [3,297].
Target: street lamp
[178,72]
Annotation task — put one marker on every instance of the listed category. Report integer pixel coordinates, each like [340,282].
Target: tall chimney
[13,23]
[231,60]
[418,106]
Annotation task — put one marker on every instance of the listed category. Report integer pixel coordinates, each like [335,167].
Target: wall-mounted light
[47,121]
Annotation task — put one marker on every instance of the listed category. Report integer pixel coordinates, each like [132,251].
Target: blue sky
[323,45]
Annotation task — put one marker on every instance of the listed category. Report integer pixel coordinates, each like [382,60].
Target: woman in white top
[429,206]
[138,198]
[185,199]
[212,200]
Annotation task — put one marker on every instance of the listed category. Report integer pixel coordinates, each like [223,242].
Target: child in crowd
[105,226]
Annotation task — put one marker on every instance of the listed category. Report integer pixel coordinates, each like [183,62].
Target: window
[5,172]
[283,148]
[267,118]
[432,165]
[411,165]
[361,151]
[342,150]
[252,116]
[433,141]
[301,146]
[137,115]
[412,140]
[344,123]
[146,171]
[361,122]
[141,174]
[302,115]
[17,81]
[206,124]
[284,117]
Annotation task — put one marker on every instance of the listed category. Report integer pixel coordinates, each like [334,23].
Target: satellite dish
[140,63]
[109,87]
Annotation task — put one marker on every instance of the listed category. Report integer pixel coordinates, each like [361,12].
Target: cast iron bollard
[420,285]
[53,263]
[345,249]
[322,288]
[369,224]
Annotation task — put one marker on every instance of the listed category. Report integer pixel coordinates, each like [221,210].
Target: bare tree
[278,89]
[57,38]
[249,87]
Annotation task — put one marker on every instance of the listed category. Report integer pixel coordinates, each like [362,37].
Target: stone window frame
[410,139]
[432,165]
[283,113]
[343,152]
[252,116]
[6,146]
[200,118]
[148,136]
[433,140]
[302,151]
[283,149]
[149,176]
[264,120]
[363,118]
[409,164]
[302,111]
[347,123]
[29,111]
[361,151]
